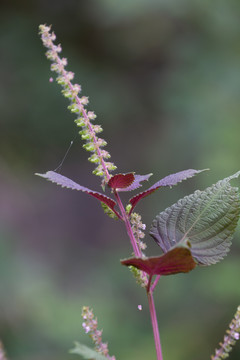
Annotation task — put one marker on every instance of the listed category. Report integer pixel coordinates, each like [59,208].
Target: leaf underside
[176,260]
[68,183]
[127,182]
[207,219]
[169,180]
[87,353]
[136,183]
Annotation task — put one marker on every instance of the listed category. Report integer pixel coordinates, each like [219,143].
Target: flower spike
[2,352]
[232,335]
[84,119]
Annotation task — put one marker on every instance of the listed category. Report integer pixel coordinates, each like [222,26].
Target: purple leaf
[169,180]
[177,260]
[68,183]
[121,181]
[136,183]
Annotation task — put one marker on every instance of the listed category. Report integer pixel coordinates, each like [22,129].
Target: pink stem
[155,283]
[155,325]
[136,250]
[150,289]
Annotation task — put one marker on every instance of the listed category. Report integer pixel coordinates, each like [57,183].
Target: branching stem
[150,288]
[94,145]
[126,220]
[155,283]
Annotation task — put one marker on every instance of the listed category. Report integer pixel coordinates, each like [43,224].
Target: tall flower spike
[77,105]
[232,334]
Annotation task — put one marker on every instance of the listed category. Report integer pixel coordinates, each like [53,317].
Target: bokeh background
[163,76]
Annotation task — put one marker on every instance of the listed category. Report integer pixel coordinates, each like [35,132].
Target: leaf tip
[41,175]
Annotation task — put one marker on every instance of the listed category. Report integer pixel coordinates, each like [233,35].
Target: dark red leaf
[121,181]
[177,260]
[68,183]
[137,182]
[169,180]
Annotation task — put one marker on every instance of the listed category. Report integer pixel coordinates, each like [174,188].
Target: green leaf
[207,219]
[86,352]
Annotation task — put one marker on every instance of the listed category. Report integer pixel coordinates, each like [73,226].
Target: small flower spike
[229,340]
[77,105]
[90,325]
[2,353]
[137,227]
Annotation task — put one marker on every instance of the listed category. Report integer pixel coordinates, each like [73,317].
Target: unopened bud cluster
[90,325]
[140,276]
[232,334]
[77,105]
[137,227]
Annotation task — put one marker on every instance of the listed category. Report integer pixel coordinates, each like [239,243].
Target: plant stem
[155,283]
[136,249]
[155,325]
[150,289]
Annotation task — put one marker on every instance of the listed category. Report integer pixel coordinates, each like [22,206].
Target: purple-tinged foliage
[169,180]
[177,260]
[207,219]
[137,182]
[121,181]
[196,230]
[127,182]
[68,183]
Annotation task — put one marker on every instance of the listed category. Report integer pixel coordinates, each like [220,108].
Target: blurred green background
[163,76]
